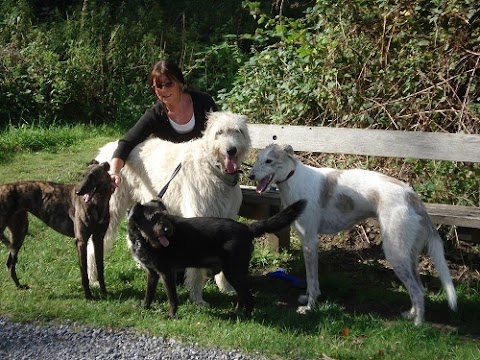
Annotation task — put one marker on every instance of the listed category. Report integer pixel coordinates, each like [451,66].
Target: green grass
[358,316]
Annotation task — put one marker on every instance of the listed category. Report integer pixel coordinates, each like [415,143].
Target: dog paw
[303,310]
[407,315]
[94,283]
[201,303]
[411,315]
[230,291]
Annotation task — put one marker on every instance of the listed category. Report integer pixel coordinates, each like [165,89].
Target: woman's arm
[116,165]
[142,129]
[138,133]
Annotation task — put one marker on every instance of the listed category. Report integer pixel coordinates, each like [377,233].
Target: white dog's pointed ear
[287,148]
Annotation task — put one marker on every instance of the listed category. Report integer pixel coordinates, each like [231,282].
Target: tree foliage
[363,63]
[89,61]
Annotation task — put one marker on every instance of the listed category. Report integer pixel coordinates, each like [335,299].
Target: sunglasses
[165,85]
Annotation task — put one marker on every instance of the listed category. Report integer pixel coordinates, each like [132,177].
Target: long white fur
[201,188]
[339,199]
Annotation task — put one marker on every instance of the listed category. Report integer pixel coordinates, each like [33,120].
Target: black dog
[162,243]
[78,211]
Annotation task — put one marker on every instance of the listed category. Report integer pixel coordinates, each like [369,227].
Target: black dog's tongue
[164,241]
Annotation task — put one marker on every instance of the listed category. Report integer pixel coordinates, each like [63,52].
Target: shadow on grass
[351,290]
[355,286]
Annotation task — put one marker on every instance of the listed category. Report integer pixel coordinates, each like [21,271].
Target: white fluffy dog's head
[227,135]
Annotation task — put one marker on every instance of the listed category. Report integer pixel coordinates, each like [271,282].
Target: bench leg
[273,242]
[278,241]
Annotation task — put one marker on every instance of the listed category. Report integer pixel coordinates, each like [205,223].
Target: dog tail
[436,253]
[279,220]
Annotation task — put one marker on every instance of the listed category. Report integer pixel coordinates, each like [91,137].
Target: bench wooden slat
[465,216]
[252,197]
[385,143]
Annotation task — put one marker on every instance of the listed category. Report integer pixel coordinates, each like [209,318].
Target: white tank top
[185,128]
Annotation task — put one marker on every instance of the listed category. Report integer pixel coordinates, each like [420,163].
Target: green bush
[88,63]
[365,64]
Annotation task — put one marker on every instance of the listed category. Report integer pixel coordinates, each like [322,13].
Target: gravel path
[30,341]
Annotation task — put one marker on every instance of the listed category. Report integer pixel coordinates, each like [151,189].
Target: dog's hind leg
[18,227]
[97,239]
[411,280]
[310,254]
[405,266]
[237,276]
[195,280]
[81,245]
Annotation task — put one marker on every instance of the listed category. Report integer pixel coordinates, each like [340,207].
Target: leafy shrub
[382,64]
[361,63]
[88,62]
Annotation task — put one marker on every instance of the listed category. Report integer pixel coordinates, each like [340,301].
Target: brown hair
[167,68]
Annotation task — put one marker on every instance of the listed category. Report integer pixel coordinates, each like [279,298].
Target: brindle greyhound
[78,211]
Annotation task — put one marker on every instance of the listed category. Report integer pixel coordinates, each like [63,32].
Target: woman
[179,115]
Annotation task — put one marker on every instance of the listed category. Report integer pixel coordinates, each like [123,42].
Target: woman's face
[168,91]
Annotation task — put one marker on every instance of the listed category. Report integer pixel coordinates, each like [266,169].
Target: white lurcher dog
[339,199]
[206,185]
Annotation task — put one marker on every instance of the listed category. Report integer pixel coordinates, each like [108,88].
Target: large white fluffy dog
[206,185]
[339,199]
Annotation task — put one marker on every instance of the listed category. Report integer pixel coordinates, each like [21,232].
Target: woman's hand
[116,166]
[116,180]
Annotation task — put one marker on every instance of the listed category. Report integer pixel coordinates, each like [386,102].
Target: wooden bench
[384,143]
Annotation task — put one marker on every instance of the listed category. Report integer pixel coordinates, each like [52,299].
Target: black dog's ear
[134,211]
[93,162]
[159,203]
[105,165]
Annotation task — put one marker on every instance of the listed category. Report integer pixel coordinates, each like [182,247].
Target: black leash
[164,189]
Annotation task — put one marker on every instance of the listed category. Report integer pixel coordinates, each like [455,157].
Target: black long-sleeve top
[155,122]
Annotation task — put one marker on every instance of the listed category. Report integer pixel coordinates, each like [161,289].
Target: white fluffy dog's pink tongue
[164,241]
[231,165]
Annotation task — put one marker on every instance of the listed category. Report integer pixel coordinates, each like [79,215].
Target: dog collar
[231,179]
[290,174]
